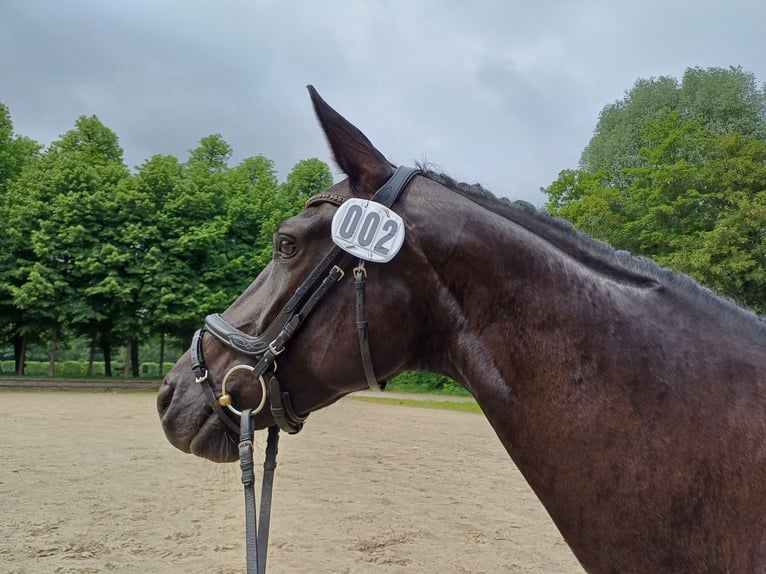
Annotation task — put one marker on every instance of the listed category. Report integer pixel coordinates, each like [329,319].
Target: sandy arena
[89,485]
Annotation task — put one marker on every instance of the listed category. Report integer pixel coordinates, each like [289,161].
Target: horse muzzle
[263,374]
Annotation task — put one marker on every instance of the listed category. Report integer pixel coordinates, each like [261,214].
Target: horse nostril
[165,395]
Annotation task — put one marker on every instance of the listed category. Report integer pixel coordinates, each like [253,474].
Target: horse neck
[596,380]
[519,313]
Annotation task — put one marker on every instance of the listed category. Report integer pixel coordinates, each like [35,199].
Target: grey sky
[500,92]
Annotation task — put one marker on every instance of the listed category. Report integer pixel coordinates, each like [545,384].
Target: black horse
[632,399]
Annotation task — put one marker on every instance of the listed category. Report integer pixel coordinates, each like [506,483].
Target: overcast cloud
[501,92]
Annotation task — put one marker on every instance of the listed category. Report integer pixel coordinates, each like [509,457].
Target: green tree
[93,252]
[618,136]
[186,254]
[722,100]
[165,276]
[254,184]
[17,155]
[725,101]
[728,253]
[213,229]
[16,152]
[308,177]
[81,261]
[668,199]
[589,201]
[676,172]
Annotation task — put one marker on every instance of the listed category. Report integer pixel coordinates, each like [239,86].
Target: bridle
[272,342]
[267,346]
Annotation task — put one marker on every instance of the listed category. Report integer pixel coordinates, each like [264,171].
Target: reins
[265,348]
[257,535]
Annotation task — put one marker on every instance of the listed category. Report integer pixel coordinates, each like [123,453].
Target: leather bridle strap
[335,262]
[282,407]
[257,535]
[360,282]
[393,188]
[279,330]
[328,271]
[202,378]
[287,323]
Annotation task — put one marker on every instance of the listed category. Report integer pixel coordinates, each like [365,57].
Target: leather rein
[266,347]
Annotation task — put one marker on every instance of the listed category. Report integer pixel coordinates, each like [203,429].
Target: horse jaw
[366,168]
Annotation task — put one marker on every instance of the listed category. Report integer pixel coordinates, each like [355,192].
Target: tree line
[91,250]
[676,171]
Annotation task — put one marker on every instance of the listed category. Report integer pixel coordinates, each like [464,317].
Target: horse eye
[286,247]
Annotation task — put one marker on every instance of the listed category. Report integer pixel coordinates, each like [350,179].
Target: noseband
[265,348]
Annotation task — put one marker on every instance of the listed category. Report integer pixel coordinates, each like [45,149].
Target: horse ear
[366,168]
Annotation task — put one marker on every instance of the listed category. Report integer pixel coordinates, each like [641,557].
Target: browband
[386,195]
[335,198]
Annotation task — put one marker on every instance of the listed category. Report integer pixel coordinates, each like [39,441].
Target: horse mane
[618,265]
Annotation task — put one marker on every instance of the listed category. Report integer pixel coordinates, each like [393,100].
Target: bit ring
[227,402]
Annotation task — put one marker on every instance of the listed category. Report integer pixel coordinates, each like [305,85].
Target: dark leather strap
[360,282]
[257,535]
[387,195]
[393,188]
[269,466]
[197,357]
[202,377]
[248,480]
[212,400]
[269,349]
[256,345]
[335,274]
[282,408]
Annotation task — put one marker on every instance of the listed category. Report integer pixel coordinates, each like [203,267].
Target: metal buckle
[274,350]
[361,269]
[246,444]
[201,379]
[339,270]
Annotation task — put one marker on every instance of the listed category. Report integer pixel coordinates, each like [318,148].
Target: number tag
[368,230]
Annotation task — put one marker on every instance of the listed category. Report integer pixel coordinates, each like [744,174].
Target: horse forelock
[599,254]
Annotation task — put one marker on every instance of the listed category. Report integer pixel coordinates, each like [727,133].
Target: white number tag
[368,230]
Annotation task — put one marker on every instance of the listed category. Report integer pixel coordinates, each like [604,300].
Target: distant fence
[79,369]
[100,385]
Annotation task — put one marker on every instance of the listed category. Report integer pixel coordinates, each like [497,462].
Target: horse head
[296,333]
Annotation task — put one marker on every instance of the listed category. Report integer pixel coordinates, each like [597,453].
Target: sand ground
[88,484]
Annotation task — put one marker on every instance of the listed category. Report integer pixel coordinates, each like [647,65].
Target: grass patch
[468,407]
[420,382]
